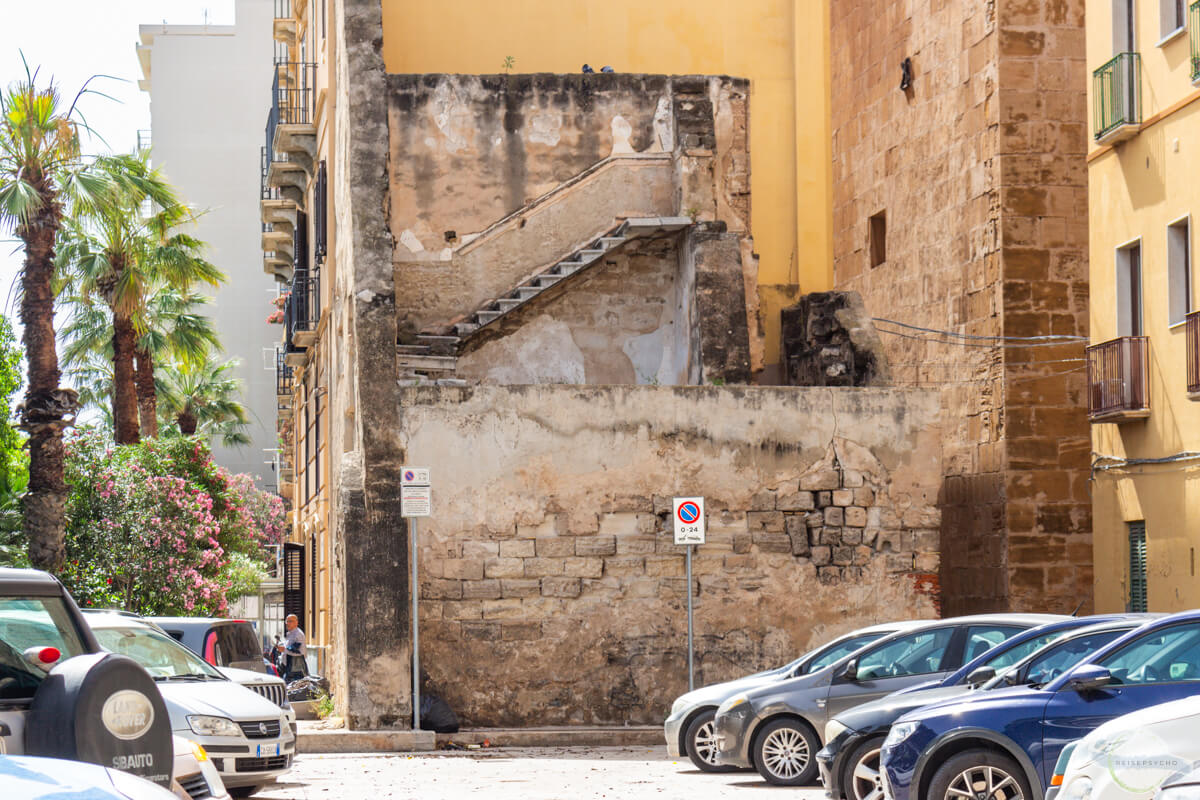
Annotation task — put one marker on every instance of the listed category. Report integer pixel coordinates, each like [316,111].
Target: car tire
[861,780]
[785,753]
[980,772]
[698,742]
[245,791]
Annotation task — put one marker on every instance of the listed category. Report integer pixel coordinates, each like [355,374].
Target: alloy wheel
[984,783]
[705,743]
[866,782]
[785,753]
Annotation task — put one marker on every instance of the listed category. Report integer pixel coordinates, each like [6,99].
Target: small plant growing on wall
[507,66]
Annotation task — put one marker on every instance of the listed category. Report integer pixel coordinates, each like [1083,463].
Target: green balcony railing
[1117,94]
[1194,35]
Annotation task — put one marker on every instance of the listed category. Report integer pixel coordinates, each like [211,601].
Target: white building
[207,85]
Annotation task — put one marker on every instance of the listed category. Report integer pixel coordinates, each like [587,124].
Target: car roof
[190,622]
[28,581]
[888,627]
[1018,618]
[110,619]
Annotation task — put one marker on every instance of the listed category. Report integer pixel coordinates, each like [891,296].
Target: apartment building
[1144,360]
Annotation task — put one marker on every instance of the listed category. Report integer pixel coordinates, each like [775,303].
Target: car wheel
[785,753]
[980,773]
[700,743]
[244,791]
[863,781]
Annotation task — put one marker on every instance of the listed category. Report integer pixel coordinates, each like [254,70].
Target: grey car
[689,728]
[777,728]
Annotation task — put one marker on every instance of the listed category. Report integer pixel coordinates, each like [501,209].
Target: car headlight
[732,703]
[1079,789]
[213,726]
[833,729]
[899,732]
[679,705]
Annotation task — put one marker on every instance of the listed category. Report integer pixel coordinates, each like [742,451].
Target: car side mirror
[1089,677]
[850,671]
[981,675]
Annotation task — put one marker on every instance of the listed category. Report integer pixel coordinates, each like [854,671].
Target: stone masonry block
[820,479]
[579,524]
[509,608]
[856,517]
[830,536]
[862,555]
[465,569]
[663,504]
[814,519]
[665,566]
[852,535]
[481,590]
[742,561]
[771,521]
[640,545]
[480,549]
[763,501]
[619,524]
[864,497]
[581,567]
[852,479]
[518,548]
[834,515]
[843,556]
[676,587]
[504,567]
[596,546]
[647,524]
[882,517]
[829,575]
[520,631]
[824,499]
[800,544]
[773,542]
[441,589]
[537,567]
[483,631]
[520,587]
[561,587]
[554,547]
[843,497]
[797,501]
[707,564]
[624,566]
[462,609]
[742,542]
[822,555]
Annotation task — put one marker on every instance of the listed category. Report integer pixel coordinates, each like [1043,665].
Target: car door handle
[821,703]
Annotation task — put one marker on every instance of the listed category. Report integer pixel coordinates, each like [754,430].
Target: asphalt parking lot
[553,773]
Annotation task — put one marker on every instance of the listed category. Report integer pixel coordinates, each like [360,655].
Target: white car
[271,687]
[195,776]
[1138,756]
[31,778]
[248,737]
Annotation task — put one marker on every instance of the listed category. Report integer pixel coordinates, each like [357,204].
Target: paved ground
[567,773]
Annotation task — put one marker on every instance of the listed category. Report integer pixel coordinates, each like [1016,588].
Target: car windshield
[32,622]
[162,656]
[1020,651]
[839,650]
[1053,660]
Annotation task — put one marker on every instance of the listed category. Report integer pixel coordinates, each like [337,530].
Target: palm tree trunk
[187,423]
[48,408]
[147,400]
[124,396]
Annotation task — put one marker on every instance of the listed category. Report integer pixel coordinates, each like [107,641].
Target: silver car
[689,727]
[777,728]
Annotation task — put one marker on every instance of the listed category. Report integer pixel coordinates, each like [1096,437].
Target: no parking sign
[689,520]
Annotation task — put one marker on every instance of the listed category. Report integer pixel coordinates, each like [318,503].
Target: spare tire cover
[105,709]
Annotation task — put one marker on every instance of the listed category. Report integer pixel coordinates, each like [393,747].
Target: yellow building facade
[1143,201]
[782,46]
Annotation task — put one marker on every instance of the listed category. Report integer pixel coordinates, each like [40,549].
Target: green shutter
[1137,566]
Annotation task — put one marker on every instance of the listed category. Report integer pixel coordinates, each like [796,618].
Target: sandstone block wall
[551,590]
[978,169]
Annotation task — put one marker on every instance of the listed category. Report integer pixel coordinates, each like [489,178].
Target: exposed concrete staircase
[433,357]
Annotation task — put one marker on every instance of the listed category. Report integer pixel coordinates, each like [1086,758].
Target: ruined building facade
[960,205]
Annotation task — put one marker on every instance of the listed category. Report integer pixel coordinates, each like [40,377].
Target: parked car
[689,729]
[100,708]
[1007,741]
[849,762]
[1139,756]
[246,735]
[220,642]
[777,728]
[195,776]
[32,778]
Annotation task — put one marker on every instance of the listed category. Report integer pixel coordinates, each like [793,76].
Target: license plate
[266,750]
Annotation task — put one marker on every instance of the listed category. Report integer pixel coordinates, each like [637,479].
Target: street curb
[340,740]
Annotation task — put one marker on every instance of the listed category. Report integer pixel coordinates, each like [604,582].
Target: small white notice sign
[689,520]
[414,476]
[415,501]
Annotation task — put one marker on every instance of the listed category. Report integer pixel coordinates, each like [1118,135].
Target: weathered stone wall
[979,170]
[829,340]
[551,590]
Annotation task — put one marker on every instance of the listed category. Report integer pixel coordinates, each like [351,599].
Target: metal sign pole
[416,634]
[691,674]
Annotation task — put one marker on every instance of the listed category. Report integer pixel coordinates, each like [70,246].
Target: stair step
[545,281]
[428,363]
[507,304]
[609,242]
[465,328]
[528,292]
[566,268]
[588,256]
[484,317]
[451,382]
[439,345]
[414,349]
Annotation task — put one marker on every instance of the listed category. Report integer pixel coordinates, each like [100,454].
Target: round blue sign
[688,512]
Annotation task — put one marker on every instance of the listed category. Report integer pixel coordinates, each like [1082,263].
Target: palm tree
[40,163]
[204,399]
[121,254]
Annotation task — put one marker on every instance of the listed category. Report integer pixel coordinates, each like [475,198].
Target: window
[32,622]
[1129,290]
[877,238]
[1179,269]
[1171,16]
[838,651]
[320,215]
[981,638]
[1019,652]
[1171,654]
[1137,566]
[1124,36]
[914,654]
[1057,659]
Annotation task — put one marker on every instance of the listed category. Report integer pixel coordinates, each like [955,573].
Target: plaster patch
[447,254]
[621,131]
[664,125]
[544,353]
[546,128]
[645,352]
[410,240]
[366,295]
[451,116]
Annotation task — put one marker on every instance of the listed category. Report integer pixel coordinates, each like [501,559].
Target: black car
[849,762]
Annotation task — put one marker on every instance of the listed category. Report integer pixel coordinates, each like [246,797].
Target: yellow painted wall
[1135,190]
[780,45]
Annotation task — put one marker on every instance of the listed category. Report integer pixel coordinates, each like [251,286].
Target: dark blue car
[1002,745]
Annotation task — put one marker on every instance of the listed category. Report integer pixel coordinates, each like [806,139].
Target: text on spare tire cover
[127,714]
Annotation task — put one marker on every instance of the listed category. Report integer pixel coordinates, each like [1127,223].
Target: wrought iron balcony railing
[144,139]
[285,379]
[1118,379]
[1192,333]
[266,191]
[303,309]
[283,9]
[1194,35]
[1117,98]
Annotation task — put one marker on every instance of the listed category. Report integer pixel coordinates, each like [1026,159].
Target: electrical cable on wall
[1059,338]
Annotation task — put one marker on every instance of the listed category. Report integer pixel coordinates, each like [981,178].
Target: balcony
[301,315]
[283,29]
[1117,98]
[144,139]
[285,384]
[1192,333]
[279,211]
[1118,380]
[1194,36]
[291,134]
